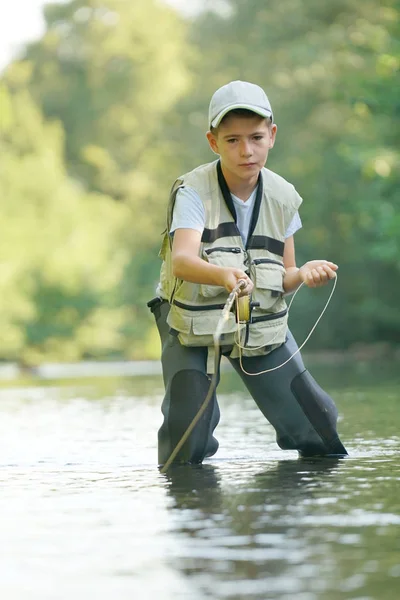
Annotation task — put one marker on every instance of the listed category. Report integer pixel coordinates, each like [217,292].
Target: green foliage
[61,254]
[110,106]
[109,70]
[103,75]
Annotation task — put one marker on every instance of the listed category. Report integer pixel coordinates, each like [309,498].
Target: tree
[61,253]
[108,71]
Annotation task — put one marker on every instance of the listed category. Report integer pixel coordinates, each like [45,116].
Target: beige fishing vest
[196,308]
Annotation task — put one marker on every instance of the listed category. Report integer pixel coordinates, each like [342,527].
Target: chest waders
[303,415]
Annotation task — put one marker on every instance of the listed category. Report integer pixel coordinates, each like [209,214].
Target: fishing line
[279,330]
[217,335]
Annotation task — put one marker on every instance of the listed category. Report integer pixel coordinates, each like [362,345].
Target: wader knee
[321,411]
[188,390]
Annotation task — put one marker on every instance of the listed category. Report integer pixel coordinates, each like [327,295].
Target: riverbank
[139,368]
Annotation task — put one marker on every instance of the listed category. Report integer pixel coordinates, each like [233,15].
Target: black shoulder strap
[229,202]
[225,191]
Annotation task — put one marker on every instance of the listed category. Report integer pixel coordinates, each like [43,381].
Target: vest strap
[223,230]
[210,360]
[225,191]
[262,242]
[190,307]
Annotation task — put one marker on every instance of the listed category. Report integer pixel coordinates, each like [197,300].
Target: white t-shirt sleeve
[189,211]
[294,226]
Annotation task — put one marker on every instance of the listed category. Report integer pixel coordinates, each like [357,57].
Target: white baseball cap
[238,94]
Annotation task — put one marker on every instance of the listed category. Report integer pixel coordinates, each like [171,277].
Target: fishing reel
[243,306]
[243,309]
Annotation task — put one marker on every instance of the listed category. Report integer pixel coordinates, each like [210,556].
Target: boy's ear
[272,135]
[212,140]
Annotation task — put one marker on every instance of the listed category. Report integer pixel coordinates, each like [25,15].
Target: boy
[233,220]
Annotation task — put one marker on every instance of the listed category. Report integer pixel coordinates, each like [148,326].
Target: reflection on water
[85,513]
[293,528]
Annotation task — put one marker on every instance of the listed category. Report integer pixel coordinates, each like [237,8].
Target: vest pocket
[221,257]
[267,333]
[197,328]
[203,327]
[267,276]
[206,324]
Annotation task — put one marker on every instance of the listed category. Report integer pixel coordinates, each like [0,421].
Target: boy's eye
[231,140]
[258,137]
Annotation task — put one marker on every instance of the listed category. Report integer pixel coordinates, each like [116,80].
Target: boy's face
[243,144]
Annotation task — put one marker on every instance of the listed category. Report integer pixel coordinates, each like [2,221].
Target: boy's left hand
[317,272]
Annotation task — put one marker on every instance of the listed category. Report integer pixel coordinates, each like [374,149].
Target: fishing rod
[243,315]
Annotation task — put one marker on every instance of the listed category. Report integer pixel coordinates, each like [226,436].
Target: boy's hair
[243,113]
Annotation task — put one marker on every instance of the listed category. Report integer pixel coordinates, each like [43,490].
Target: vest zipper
[234,250]
[269,317]
[196,308]
[258,261]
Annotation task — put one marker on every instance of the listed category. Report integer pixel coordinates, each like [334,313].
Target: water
[84,512]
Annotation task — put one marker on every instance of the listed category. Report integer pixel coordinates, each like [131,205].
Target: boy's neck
[241,188]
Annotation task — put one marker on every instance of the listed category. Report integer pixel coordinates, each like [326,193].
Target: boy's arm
[313,273]
[187,265]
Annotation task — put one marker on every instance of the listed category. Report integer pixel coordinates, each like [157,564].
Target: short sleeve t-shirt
[189,213]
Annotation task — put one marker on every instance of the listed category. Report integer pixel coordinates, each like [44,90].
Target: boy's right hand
[230,277]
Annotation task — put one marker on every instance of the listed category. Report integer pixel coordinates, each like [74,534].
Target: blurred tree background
[100,116]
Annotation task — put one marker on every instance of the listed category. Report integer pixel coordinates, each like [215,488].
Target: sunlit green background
[110,106]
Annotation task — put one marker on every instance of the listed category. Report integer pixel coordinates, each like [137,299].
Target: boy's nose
[246,149]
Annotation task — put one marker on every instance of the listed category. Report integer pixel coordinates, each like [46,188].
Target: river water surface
[85,513]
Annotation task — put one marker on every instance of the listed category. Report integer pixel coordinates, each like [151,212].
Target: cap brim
[267,114]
